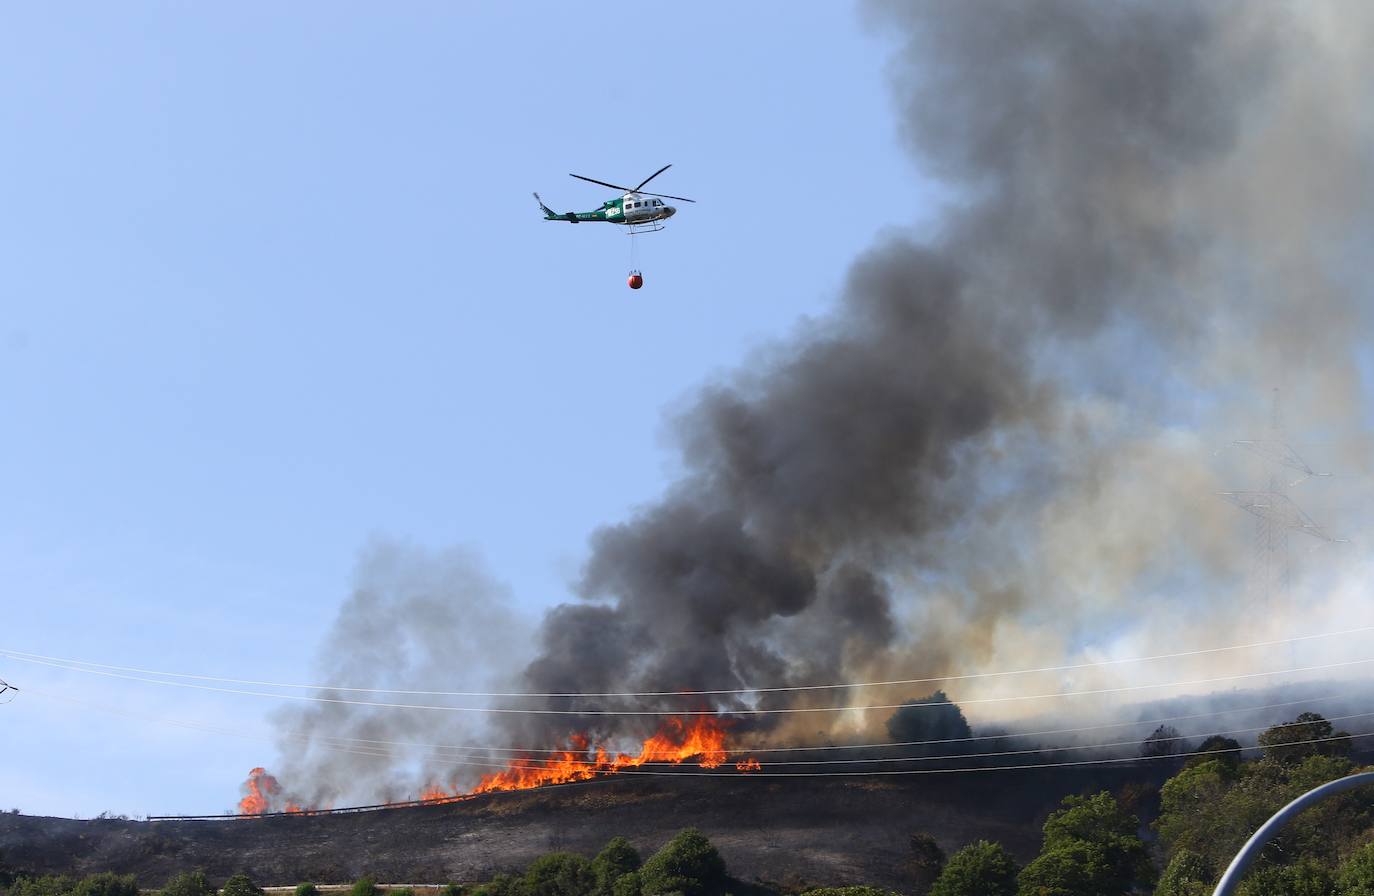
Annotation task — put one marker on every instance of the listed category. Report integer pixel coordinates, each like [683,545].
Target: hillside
[794,832]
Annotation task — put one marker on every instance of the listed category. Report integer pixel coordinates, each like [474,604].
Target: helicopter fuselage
[630,209]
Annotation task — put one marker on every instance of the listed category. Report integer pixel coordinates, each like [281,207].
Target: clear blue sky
[272,284]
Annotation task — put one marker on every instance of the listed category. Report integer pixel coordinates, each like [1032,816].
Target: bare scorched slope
[796,831]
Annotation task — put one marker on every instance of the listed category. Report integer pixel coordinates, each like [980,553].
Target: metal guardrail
[407,804]
[346,810]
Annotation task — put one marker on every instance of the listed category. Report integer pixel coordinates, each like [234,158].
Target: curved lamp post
[1251,850]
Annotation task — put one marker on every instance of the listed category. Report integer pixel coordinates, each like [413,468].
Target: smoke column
[998,447]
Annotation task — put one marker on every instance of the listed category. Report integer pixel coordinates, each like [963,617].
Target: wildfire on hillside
[699,738]
[261,788]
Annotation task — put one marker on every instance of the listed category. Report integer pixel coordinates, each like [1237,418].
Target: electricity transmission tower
[1276,514]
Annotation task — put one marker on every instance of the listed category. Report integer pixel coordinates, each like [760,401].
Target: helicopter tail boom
[551,215]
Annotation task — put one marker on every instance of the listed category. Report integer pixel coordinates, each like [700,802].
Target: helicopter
[641,212]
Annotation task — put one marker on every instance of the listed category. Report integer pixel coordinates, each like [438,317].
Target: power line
[329,743]
[25,656]
[704,712]
[735,775]
[524,764]
[989,768]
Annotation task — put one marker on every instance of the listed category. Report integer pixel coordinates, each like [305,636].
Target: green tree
[928,719]
[612,863]
[189,883]
[1223,749]
[1307,877]
[1308,735]
[1356,876]
[1212,808]
[979,869]
[687,864]
[627,885]
[1200,811]
[1165,741]
[365,886]
[1090,847]
[560,874]
[240,885]
[47,885]
[307,890]
[1187,874]
[1075,868]
[106,883]
[502,885]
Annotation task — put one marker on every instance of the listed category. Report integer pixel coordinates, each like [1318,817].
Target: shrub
[502,885]
[47,885]
[979,869]
[364,886]
[688,864]
[1305,878]
[452,889]
[307,890]
[106,883]
[189,883]
[1187,874]
[240,885]
[1356,877]
[848,891]
[560,874]
[927,859]
[618,859]
[401,891]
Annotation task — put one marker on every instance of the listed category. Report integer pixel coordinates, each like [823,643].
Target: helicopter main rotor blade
[651,177]
[602,183]
[666,196]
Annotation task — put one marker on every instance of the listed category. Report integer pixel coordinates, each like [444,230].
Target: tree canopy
[979,869]
[927,719]
[687,864]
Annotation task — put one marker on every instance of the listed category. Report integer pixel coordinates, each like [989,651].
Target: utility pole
[1275,513]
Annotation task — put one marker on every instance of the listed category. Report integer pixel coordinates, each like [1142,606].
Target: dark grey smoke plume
[849,459]
[999,442]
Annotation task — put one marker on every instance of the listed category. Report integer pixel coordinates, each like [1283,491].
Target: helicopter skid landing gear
[646,227]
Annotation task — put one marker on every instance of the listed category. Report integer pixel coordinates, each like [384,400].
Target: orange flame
[261,788]
[702,739]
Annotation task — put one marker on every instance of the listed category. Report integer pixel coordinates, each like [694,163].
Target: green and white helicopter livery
[641,212]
